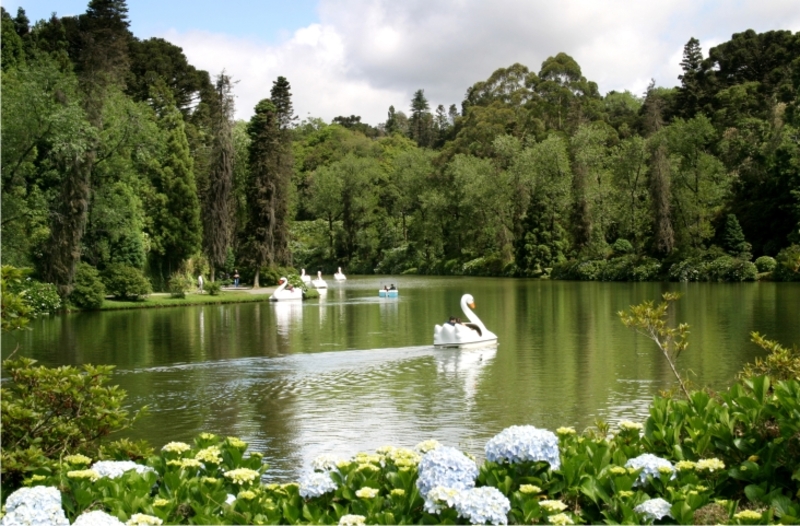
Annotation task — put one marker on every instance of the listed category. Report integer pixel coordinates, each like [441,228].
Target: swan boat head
[283,294]
[303,276]
[339,276]
[319,283]
[464,335]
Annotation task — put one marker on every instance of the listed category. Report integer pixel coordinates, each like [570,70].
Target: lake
[351,371]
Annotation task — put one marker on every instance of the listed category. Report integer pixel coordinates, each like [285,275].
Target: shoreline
[158,300]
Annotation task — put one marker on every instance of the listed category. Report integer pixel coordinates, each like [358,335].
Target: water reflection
[352,372]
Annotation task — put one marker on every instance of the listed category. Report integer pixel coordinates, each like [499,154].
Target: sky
[358,57]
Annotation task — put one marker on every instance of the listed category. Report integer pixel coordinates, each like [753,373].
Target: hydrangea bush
[633,474]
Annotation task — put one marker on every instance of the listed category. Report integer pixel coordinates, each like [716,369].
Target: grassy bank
[165,300]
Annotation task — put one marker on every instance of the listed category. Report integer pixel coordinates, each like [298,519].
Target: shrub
[43,298]
[179,284]
[213,287]
[88,291]
[781,363]
[690,269]
[730,269]
[126,282]
[51,412]
[766,264]
[622,246]
[491,265]
[15,313]
[788,264]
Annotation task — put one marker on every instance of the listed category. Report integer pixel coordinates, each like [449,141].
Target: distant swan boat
[319,283]
[338,276]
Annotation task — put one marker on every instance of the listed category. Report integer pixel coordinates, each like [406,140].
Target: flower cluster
[560,519]
[747,515]
[211,454]
[78,460]
[367,493]
[438,496]
[352,520]
[685,465]
[522,444]
[710,464]
[115,468]
[427,445]
[485,505]
[316,484]
[242,475]
[246,495]
[627,425]
[650,465]
[654,509]
[324,463]
[401,456]
[448,467]
[552,505]
[37,505]
[175,447]
[97,518]
[529,489]
[142,519]
[83,474]
[565,431]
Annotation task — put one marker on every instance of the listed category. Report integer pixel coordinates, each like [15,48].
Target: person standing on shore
[200,283]
[236,278]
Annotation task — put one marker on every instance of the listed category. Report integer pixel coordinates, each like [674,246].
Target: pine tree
[689,92]
[421,119]
[265,140]
[733,240]
[217,205]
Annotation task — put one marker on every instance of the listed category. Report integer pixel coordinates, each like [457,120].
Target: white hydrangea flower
[230,498]
[650,465]
[448,467]
[485,505]
[522,444]
[97,518]
[352,520]
[115,468]
[316,484]
[654,509]
[440,496]
[142,519]
[36,505]
[325,463]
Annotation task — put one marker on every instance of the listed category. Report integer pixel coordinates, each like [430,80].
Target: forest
[121,157]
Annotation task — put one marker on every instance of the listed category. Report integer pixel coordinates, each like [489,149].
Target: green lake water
[351,371]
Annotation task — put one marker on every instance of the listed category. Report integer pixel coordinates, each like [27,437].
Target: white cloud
[366,55]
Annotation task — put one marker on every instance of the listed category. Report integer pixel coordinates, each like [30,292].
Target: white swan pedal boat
[282,293]
[339,276]
[305,277]
[464,335]
[319,283]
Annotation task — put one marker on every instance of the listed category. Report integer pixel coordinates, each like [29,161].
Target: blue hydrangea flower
[650,465]
[448,467]
[97,518]
[486,505]
[654,509]
[524,444]
[316,484]
[36,505]
[439,497]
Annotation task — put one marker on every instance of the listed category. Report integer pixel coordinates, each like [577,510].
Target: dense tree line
[116,151]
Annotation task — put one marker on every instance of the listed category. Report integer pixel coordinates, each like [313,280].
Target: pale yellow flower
[159,503]
[89,474]
[207,436]
[552,505]
[141,519]
[176,447]
[189,463]
[237,443]
[211,454]
[624,494]
[627,425]
[685,465]
[398,492]
[246,495]
[80,460]
[710,464]
[242,475]
[367,493]
[564,431]
[560,519]
[618,470]
[747,515]
[427,445]
[529,489]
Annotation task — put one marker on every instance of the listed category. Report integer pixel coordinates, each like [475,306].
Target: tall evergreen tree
[281,97]
[690,90]
[265,141]
[217,206]
[177,227]
[421,119]
[664,235]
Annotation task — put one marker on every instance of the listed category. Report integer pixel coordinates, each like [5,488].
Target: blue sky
[358,57]
[267,20]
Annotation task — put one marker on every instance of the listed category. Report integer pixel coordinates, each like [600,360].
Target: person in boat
[386,288]
[452,320]
[392,287]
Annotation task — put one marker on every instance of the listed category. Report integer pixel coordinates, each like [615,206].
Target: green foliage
[124,282]
[89,290]
[51,412]
[733,240]
[622,246]
[179,284]
[765,264]
[788,268]
[781,363]
[42,298]
[213,287]
[16,313]
[624,268]
[710,266]
[651,321]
